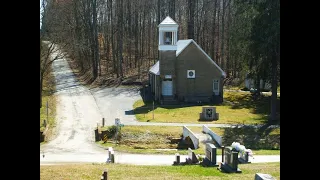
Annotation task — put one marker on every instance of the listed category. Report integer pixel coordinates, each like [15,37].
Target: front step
[169,100]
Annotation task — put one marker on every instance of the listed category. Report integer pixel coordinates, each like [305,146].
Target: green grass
[233,87]
[238,108]
[134,172]
[48,95]
[149,139]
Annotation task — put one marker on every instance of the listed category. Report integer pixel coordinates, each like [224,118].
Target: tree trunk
[213,31]
[172,9]
[120,38]
[95,40]
[191,4]
[222,35]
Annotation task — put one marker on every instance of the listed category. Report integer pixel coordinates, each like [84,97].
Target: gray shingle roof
[181,45]
[155,69]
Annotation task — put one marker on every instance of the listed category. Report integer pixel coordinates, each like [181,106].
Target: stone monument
[209,114]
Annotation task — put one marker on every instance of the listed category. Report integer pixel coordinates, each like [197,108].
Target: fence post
[102,122]
[45,123]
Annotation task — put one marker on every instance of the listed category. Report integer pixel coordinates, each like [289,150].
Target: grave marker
[230,164]
[211,155]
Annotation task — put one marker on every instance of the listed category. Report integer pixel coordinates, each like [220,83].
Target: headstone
[104,175]
[244,158]
[211,155]
[209,113]
[110,155]
[177,161]
[97,136]
[227,155]
[41,137]
[192,158]
[260,176]
[230,163]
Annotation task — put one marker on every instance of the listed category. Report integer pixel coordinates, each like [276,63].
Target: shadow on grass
[261,105]
[148,106]
[252,138]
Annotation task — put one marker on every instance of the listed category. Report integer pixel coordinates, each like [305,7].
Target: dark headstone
[260,176]
[227,155]
[97,135]
[244,158]
[104,175]
[41,137]
[177,161]
[234,160]
[192,158]
[230,164]
[209,113]
[211,155]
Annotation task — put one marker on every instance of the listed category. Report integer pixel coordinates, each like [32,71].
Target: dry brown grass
[149,139]
[48,95]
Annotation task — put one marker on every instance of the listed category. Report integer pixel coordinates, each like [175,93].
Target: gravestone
[97,135]
[209,113]
[244,158]
[111,155]
[177,161]
[192,158]
[260,176]
[211,155]
[230,164]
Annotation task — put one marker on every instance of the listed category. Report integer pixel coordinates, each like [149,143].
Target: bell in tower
[168,30]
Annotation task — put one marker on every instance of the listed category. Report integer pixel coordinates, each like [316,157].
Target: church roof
[168,21]
[181,46]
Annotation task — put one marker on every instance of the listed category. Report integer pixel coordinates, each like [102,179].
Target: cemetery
[232,155]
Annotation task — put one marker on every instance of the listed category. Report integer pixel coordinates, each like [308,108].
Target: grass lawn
[154,139]
[48,90]
[238,108]
[134,172]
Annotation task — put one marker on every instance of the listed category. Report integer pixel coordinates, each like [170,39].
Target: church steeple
[168,31]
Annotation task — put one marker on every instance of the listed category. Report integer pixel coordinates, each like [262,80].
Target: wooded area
[118,38]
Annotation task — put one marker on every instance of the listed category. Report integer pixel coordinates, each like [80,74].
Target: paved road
[78,111]
[133,159]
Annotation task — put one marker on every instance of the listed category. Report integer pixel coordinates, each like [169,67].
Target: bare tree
[49,52]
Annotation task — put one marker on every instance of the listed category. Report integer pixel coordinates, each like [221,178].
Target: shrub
[111,133]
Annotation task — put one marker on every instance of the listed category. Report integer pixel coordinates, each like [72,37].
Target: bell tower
[168,30]
[168,37]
